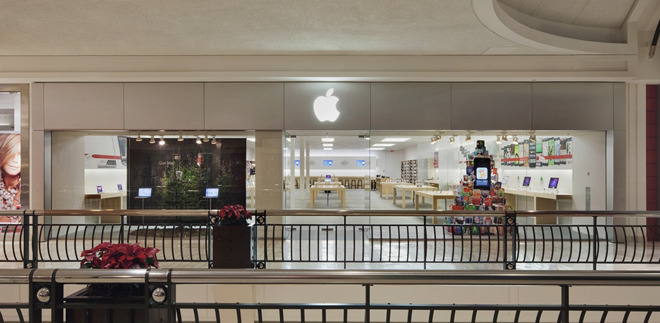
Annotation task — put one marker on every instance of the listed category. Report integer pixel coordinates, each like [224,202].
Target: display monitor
[327,162]
[360,162]
[554,181]
[144,192]
[526,181]
[482,173]
[212,192]
[119,187]
[99,189]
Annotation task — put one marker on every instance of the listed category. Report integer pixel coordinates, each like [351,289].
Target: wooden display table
[434,196]
[315,189]
[543,200]
[386,188]
[408,188]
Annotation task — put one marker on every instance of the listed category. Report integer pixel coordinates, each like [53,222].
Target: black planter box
[107,309]
[232,246]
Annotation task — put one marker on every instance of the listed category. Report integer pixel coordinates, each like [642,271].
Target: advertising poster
[10,185]
[179,174]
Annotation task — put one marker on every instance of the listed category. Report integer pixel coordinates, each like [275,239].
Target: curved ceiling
[282,27]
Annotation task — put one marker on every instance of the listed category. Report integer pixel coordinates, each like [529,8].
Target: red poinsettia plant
[235,214]
[119,255]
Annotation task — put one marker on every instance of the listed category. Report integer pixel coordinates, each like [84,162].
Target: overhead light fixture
[213,141]
[180,138]
[451,140]
[383,145]
[206,138]
[395,139]
[515,140]
[328,145]
[198,141]
[504,138]
[435,139]
[375,148]
[162,140]
[532,138]
[139,137]
[152,140]
[327,148]
[468,138]
[498,141]
[327,139]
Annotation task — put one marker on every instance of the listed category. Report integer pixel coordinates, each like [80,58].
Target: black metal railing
[349,239]
[45,289]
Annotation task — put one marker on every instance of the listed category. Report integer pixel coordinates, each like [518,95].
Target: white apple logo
[325,107]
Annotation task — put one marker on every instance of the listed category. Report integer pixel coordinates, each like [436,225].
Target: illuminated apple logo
[325,107]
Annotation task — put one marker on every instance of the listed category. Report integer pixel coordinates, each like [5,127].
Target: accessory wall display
[546,152]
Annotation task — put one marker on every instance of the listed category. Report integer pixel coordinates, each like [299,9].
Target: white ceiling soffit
[556,36]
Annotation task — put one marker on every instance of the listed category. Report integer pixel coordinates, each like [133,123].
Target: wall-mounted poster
[10,185]
[180,173]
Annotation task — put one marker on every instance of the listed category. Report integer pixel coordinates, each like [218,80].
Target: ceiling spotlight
[468,138]
[198,141]
[162,140]
[451,140]
[504,138]
[152,140]
[139,137]
[532,138]
[498,141]
[213,141]
[435,139]
[206,138]
[515,140]
[180,138]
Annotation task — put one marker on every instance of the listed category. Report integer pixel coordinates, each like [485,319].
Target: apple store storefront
[328,146]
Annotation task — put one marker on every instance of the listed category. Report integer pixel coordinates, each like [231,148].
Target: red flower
[120,255]
[234,215]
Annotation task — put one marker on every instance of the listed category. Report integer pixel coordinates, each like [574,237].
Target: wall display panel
[491,106]
[409,106]
[83,106]
[573,106]
[154,106]
[180,172]
[341,106]
[239,106]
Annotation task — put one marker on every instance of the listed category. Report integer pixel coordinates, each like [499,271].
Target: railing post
[425,242]
[25,229]
[510,225]
[595,246]
[121,229]
[35,240]
[367,303]
[565,305]
[345,229]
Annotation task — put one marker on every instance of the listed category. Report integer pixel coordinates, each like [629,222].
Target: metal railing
[160,296]
[349,239]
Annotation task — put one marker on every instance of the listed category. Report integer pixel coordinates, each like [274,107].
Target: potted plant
[103,296]
[232,237]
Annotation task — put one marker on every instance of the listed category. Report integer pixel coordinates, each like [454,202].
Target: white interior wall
[97,147]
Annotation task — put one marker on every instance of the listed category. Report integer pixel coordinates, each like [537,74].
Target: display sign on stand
[143,193]
[211,193]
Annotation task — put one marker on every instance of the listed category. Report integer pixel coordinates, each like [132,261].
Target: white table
[409,188]
[434,196]
[315,189]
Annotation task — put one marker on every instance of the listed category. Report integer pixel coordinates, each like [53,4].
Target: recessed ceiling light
[327,148]
[328,139]
[383,145]
[328,145]
[395,139]
[375,148]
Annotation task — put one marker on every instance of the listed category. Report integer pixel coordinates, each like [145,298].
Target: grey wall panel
[409,106]
[237,106]
[491,106]
[620,106]
[353,106]
[572,106]
[169,106]
[83,106]
[37,106]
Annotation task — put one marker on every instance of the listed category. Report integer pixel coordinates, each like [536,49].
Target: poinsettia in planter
[114,256]
[232,237]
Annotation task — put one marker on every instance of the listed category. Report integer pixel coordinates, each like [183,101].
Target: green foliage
[184,191]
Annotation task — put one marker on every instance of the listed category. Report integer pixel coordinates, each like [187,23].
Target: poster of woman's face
[10,169]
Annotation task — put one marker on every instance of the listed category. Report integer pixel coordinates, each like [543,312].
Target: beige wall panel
[409,106]
[619,106]
[166,106]
[83,106]
[572,106]
[491,106]
[37,106]
[237,106]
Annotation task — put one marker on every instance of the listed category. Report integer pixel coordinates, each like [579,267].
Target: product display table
[542,200]
[409,188]
[251,190]
[386,188]
[434,196]
[315,189]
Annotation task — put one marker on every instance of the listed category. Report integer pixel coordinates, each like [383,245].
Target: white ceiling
[281,27]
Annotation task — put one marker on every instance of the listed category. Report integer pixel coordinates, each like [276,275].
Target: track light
[213,141]
[498,141]
[468,138]
[451,140]
[139,137]
[152,140]
[198,141]
[504,138]
[532,138]
[180,138]
[206,138]
[435,139]
[515,140]
[161,141]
